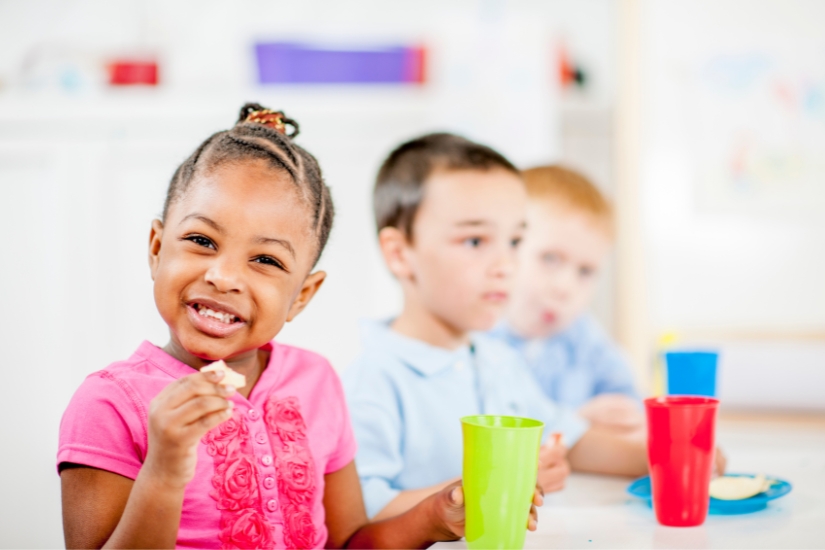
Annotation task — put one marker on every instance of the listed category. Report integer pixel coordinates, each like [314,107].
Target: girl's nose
[224,276]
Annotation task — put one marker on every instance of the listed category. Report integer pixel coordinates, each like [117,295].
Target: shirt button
[253,414]
[260,438]
[272,505]
[266,460]
[269,482]
[458,365]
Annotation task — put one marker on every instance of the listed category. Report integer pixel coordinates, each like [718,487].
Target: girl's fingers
[533,522]
[457,497]
[205,423]
[200,383]
[197,407]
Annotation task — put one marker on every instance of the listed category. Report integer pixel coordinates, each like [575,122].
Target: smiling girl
[154,453]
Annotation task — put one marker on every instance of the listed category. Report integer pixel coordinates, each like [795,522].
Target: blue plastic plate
[641,489]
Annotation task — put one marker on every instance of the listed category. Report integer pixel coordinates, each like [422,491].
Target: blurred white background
[704,120]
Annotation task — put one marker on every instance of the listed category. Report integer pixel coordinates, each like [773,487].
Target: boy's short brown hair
[399,186]
[569,188]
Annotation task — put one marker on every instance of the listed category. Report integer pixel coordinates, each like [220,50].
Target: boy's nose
[505,264]
[563,283]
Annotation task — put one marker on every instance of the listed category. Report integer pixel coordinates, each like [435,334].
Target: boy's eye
[515,242]
[269,260]
[550,258]
[200,240]
[586,272]
[473,242]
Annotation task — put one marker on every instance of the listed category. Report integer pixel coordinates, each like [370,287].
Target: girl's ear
[395,249]
[311,285]
[155,236]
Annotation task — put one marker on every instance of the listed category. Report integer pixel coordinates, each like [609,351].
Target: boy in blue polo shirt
[450,215]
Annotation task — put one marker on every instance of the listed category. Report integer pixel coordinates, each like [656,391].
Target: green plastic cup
[501,459]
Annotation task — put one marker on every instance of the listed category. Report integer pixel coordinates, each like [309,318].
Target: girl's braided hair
[261,134]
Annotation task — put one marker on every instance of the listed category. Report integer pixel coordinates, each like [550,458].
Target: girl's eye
[473,242]
[269,260]
[515,242]
[585,272]
[200,240]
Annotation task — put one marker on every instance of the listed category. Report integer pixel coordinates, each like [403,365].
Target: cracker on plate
[738,487]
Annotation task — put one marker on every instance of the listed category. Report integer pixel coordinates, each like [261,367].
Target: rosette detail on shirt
[283,416]
[235,486]
[296,470]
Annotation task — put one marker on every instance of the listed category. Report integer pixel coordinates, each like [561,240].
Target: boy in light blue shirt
[406,397]
[568,240]
[450,215]
[576,364]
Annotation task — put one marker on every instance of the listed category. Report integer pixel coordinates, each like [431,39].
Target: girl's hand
[553,467]
[179,416]
[449,512]
[449,509]
[538,500]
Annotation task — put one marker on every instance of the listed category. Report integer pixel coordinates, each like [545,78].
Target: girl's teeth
[222,317]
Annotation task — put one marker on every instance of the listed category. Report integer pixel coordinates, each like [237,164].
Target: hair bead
[276,120]
[273,119]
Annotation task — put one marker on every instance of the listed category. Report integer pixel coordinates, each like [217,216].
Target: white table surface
[596,512]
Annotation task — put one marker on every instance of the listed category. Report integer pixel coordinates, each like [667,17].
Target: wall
[733,169]
[732,190]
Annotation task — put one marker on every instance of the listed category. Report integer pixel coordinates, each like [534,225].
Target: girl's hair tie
[276,120]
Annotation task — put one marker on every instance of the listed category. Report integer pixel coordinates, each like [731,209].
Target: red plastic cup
[680,450]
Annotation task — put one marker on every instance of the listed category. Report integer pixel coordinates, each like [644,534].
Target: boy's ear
[311,285]
[394,247]
[155,236]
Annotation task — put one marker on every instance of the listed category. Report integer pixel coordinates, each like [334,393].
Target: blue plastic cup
[691,372]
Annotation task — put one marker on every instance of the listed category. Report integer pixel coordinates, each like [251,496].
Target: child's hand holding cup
[449,505]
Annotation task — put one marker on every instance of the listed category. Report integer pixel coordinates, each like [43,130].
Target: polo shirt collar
[419,356]
[503,331]
[562,342]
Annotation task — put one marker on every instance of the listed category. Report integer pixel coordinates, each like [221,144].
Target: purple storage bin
[282,63]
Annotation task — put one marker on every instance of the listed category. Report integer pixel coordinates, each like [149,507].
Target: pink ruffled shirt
[259,481]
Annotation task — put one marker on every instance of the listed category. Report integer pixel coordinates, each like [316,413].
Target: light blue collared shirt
[406,398]
[575,365]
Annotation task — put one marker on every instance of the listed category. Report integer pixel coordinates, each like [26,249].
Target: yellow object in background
[659,383]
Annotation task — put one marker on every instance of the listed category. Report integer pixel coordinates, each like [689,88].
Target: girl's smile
[213,319]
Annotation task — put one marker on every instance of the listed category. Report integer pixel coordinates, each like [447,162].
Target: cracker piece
[230,378]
